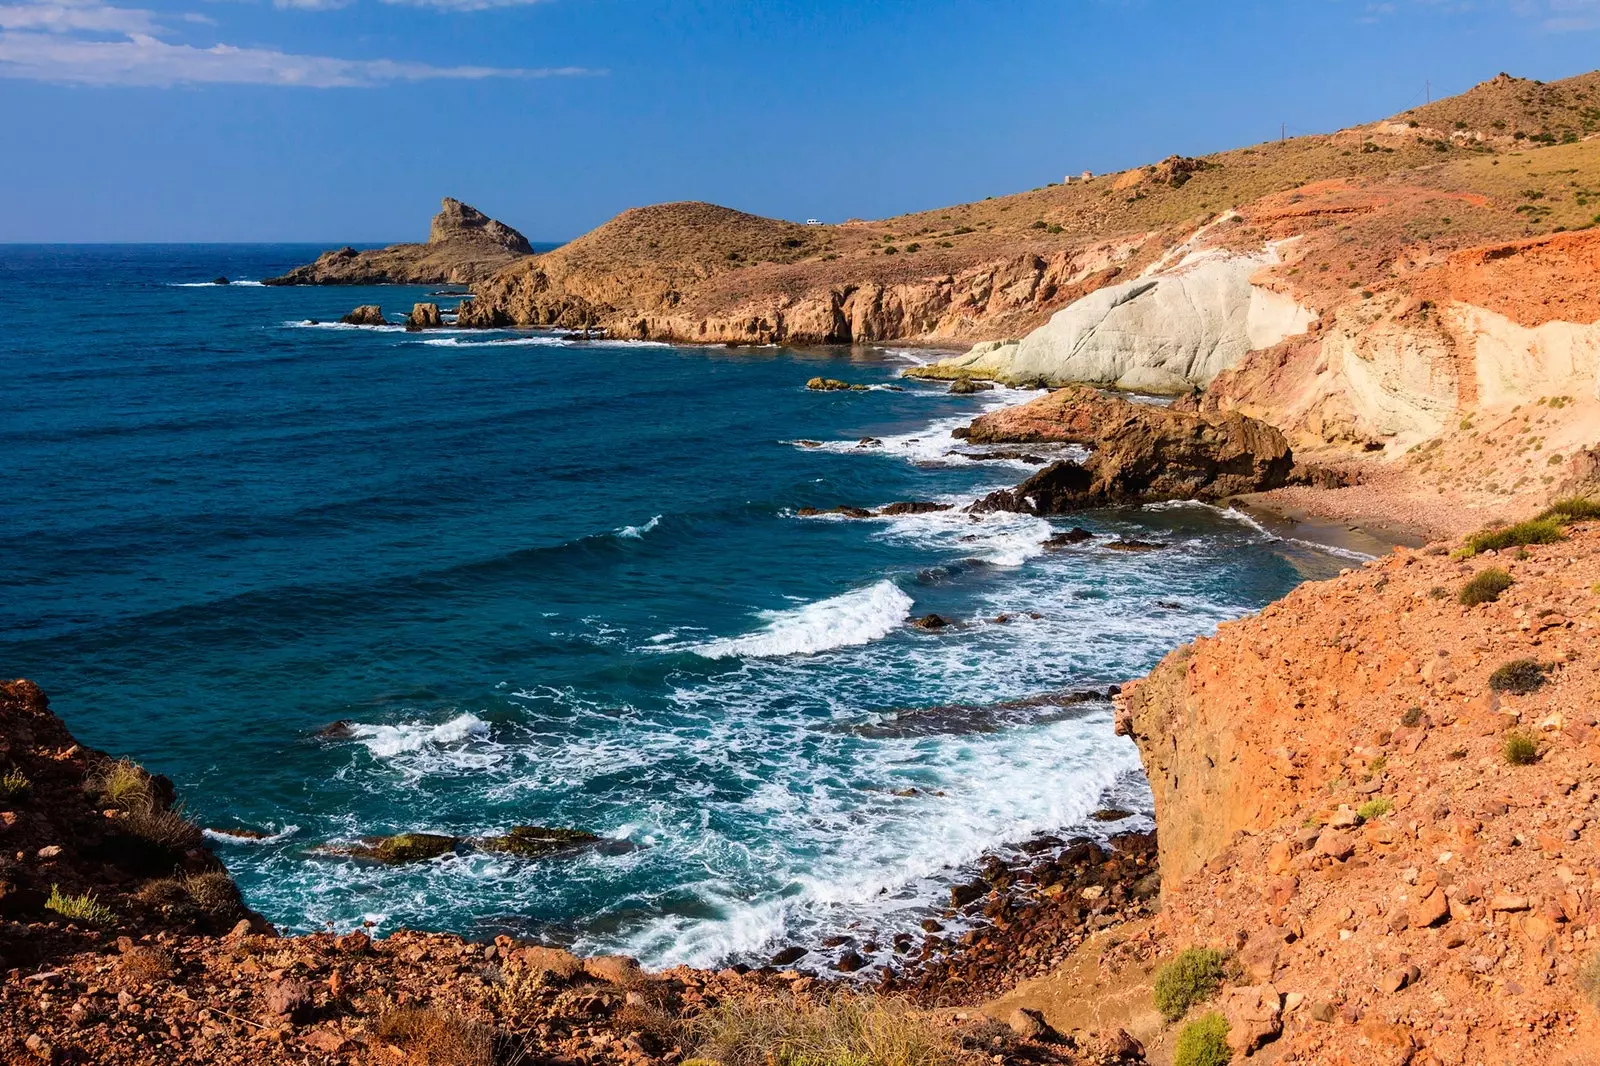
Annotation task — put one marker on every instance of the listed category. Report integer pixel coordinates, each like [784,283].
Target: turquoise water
[558,583]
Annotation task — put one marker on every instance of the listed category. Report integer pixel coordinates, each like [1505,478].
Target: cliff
[464,245]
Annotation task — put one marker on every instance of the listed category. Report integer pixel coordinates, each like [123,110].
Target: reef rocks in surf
[365,315]
[523,841]
[464,246]
[1139,453]
[423,316]
[904,507]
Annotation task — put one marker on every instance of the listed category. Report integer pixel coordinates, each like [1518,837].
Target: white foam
[388,741]
[334,324]
[234,838]
[931,445]
[638,532]
[857,617]
[214,285]
[998,538]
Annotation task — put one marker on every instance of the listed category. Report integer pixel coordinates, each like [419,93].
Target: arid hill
[464,245]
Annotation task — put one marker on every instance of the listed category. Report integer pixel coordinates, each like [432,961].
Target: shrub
[1412,718]
[1485,587]
[1589,980]
[163,827]
[1376,807]
[85,908]
[437,1038]
[1521,748]
[1518,677]
[913,247]
[845,1030]
[1534,531]
[1572,509]
[1193,976]
[1203,1042]
[122,783]
[213,891]
[15,785]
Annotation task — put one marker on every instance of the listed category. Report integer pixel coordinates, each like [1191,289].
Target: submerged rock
[913,507]
[1129,545]
[1075,535]
[537,841]
[343,729]
[932,621]
[789,955]
[365,315]
[847,512]
[833,385]
[394,850]
[219,280]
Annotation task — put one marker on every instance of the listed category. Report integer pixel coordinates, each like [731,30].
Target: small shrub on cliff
[1412,718]
[85,908]
[1193,976]
[1572,509]
[1521,748]
[1518,677]
[15,785]
[1203,1042]
[1376,807]
[1485,587]
[437,1038]
[1534,531]
[213,891]
[1589,980]
[845,1030]
[122,783]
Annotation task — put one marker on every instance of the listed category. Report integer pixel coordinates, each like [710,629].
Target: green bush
[1534,531]
[1521,749]
[1518,677]
[1203,1042]
[1485,587]
[1376,807]
[1412,718]
[84,908]
[1572,509]
[1193,976]
[14,785]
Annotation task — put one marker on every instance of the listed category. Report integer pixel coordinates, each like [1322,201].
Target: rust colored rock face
[1139,453]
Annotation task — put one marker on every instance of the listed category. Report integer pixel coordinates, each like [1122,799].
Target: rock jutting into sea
[464,246]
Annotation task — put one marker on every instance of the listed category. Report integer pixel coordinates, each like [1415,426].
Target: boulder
[219,281]
[424,316]
[833,385]
[365,315]
[912,507]
[931,621]
[1255,1017]
[1140,453]
[395,850]
[965,386]
[537,841]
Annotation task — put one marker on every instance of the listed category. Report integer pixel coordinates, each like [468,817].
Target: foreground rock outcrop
[1139,453]
[464,245]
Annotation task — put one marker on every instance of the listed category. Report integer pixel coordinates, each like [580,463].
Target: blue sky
[346,120]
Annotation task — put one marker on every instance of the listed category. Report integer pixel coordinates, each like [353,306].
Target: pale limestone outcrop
[1168,332]
[1514,363]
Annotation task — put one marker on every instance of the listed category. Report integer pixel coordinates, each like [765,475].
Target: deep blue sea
[561,583]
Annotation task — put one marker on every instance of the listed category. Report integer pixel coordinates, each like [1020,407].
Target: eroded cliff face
[1337,804]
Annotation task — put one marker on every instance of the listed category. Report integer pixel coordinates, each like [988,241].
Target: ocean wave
[390,741]
[306,323]
[214,285]
[1246,519]
[638,532]
[857,617]
[997,538]
[931,445]
[223,837]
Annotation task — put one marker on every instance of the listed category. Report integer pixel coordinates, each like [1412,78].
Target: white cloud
[1572,16]
[460,5]
[85,42]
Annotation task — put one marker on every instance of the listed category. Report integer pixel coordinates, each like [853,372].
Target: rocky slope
[464,245]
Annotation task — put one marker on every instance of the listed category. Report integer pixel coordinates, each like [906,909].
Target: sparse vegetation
[1485,587]
[437,1038]
[846,1030]
[1588,979]
[85,908]
[124,784]
[1412,718]
[121,783]
[1571,509]
[1518,677]
[1521,748]
[1193,976]
[14,785]
[1203,1042]
[1534,531]
[1376,807]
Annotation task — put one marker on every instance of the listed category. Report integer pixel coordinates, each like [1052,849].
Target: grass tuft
[1521,748]
[15,785]
[1376,807]
[1203,1042]
[1518,677]
[1534,531]
[1485,587]
[1571,509]
[85,908]
[846,1030]
[437,1038]
[1193,976]
[124,784]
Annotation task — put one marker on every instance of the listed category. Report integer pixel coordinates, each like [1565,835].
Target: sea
[552,581]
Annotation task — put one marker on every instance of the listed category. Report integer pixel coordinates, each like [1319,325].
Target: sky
[346,120]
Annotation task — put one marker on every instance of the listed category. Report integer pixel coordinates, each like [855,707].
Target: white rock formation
[1168,332]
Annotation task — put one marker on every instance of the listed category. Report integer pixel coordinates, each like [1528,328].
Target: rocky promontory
[464,246]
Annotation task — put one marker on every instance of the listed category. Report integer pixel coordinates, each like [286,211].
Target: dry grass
[213,891]
[124,784]
[437,1038]
[143,965]
[847,1030]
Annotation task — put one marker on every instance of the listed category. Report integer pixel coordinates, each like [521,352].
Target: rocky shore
[464,246]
